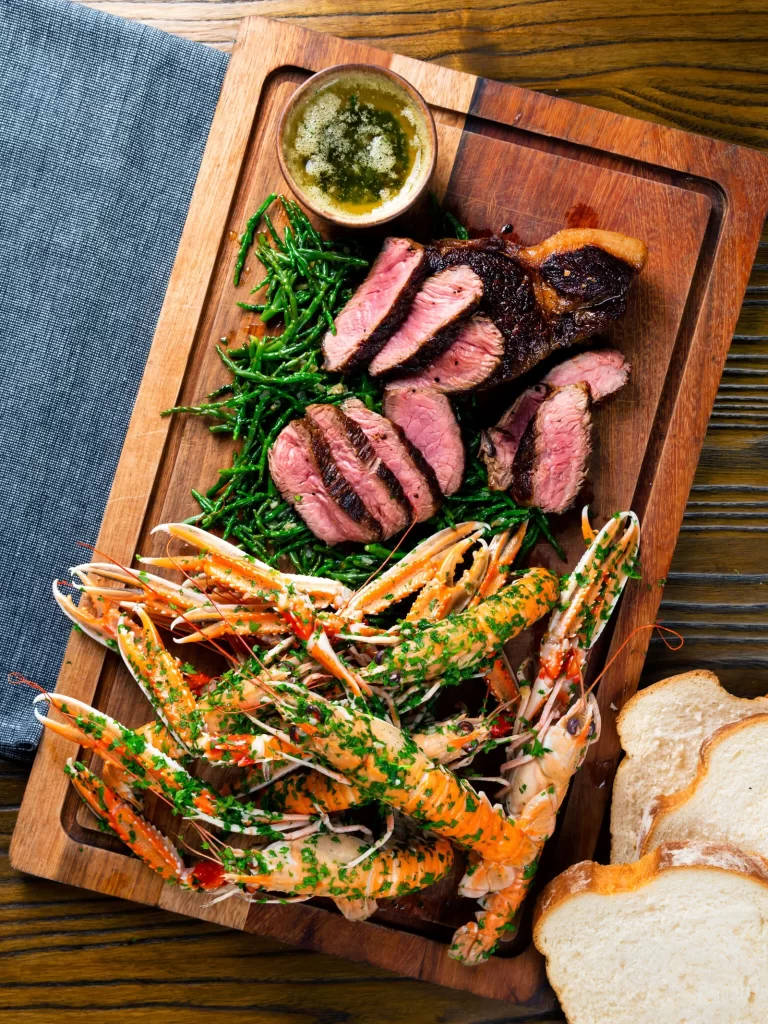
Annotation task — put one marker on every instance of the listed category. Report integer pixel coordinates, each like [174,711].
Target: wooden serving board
[506,156]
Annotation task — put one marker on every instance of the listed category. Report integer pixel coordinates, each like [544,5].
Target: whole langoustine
[338,866]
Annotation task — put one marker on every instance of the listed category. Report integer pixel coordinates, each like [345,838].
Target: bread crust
[623,828]
[662,806]
[610,879]
[654,688]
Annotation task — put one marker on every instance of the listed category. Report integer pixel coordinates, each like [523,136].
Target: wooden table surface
[701,65]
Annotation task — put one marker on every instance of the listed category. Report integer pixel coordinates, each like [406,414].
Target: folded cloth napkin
[103,123]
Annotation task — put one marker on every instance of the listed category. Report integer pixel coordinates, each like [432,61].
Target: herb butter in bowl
[357,144]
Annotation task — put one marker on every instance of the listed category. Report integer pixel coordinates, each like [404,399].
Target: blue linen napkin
[103,123]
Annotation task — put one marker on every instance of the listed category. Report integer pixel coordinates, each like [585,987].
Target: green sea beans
[306,281]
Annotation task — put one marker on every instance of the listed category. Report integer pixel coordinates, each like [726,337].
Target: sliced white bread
[661,730]
[679,937]
[727,801]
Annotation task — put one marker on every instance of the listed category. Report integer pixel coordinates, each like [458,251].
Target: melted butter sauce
[355,144]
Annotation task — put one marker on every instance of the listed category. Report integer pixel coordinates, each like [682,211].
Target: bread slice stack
[678,937]
[662,729]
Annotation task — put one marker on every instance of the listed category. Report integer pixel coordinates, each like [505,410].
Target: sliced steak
[432,321]
[509,299]
[305,475]
[426,418]
[604,370]
[544,297]
[551,461]
[378,307]
[416,476]
[358,464]
[499,444]
[470,360]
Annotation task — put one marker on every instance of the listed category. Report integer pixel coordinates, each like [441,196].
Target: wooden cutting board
[506,156]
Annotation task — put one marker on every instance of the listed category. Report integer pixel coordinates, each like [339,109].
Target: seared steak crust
[604,371]
[438,308]
[499,444]
[357,462]
[428,421]
[345,496]
[405,462]
[551,460]
[541,298]
[299,478]
[509,299]
[378,307]
[471,358]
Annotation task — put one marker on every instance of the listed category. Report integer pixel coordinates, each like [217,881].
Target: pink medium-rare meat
[355,459]
[300,467]
[416,476]
[471,358]
[551,460]
[427,420]
[377,307]
[499,444]
[604,370]
[437,308]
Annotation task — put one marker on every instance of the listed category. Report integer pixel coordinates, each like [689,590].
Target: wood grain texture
[691,68]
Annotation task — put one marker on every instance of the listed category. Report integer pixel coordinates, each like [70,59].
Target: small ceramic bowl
[417,181]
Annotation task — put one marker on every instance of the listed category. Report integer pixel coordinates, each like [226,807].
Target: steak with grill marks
[499,444]
[416,476]
[355,459]
[305,474]
[604,371]
[548,296]
[377,307]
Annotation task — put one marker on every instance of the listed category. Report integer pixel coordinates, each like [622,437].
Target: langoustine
[312,702]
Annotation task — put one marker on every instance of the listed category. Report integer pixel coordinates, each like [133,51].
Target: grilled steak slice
[416,476]
[432,321]
[499,444]
[469,361]
[509,299]
[378,306]
[357,462]
[426,418]
[303,470]
[551,461]
[544,297]
[604,370]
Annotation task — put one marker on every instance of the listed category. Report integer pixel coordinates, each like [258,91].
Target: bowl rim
[370,219]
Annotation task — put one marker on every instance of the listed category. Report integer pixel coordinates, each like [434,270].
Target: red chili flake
[502,726]
[208,875]
[197,681]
